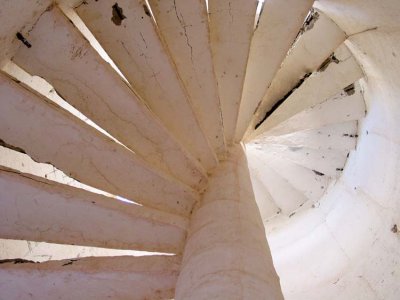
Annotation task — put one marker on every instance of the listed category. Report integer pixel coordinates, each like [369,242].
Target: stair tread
[285,195]
[50,206]
[317,88]
[53,135]
[264,199]
[276,30]
[338,136]
[82,78]
[310,183]
[137,50]
[341,108]
[119,277]
[307,54]
[231,30]
[184,27]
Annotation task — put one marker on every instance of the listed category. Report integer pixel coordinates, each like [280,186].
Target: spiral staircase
[119,117]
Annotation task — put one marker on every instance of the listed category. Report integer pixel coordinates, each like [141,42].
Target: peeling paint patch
[332,58]
[70,262]
[312,17]
[350,90]
[318,173]
[5,145]
[350,135]
[16,261]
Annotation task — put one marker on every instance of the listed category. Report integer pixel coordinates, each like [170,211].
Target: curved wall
[347,247]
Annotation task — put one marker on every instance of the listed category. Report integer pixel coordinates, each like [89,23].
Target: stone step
[123,277]
[335,136]
[341,71]
[277,29]
[184,27]
[231,31]
[34,125]
[87,82]
[319,39]
[130,38]
[310,183]
[283,193]
[40,210]
[345,106]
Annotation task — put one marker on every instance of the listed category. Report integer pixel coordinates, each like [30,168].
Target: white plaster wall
[347,246]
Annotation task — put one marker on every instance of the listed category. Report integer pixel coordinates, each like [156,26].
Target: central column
[226,255]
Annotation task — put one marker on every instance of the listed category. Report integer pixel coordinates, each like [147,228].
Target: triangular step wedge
[276,30]
[50,134]
[120,277]
[265,202]
[316,43]
[344,107]
[184,26]
[231,30]
[327,162]
[133,43]
[40,210]
[342,71]
[339,137]
[311,184]
[285,196]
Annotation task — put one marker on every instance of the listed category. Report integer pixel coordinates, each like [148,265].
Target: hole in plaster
[117,14]
[327,62]
[311,18]
[23,39]
[70,262]
[318,173]
[350,135]
[308,24]
[350,90]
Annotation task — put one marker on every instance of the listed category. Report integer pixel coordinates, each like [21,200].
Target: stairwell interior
[190,149]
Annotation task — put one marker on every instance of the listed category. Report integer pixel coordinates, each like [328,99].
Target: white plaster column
[227,255]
